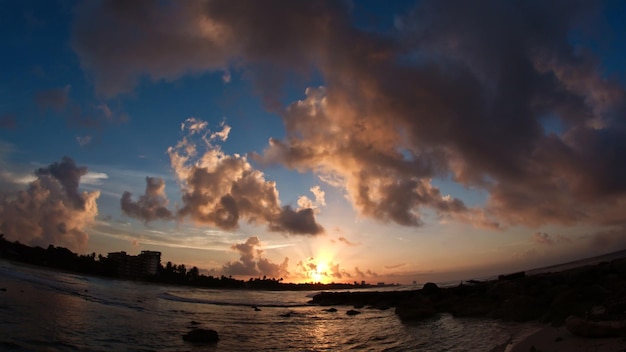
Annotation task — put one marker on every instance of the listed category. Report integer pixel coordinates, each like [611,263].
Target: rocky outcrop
[201,336]
[549,297]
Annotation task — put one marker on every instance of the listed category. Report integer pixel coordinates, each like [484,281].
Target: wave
[171,297]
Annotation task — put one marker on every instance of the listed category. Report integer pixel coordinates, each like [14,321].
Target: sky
[325,141]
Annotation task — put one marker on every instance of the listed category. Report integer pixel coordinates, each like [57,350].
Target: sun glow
[320,272]
[318,269]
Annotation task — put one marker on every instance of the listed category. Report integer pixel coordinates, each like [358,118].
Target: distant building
[147,263]
[151,262]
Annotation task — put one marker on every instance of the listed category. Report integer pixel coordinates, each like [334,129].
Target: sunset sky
[317,140]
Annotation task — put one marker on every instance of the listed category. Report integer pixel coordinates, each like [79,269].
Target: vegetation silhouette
[92,264]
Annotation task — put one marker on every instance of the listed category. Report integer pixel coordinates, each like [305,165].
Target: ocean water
[45,310]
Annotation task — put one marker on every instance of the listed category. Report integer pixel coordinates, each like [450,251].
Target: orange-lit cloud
[52,210]
[252,263]
[547,239]
[346,242]
[150,206]
[219,189]
[460,90]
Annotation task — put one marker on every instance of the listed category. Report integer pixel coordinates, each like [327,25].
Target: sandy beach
[558,339]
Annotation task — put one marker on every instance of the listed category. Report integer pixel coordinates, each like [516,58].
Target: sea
[48,310]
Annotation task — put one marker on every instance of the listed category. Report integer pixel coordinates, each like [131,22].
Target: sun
[318,266]
[320,272]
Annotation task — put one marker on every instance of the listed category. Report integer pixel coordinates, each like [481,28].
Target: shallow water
[45,310]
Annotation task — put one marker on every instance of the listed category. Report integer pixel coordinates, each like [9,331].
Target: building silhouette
[147,263]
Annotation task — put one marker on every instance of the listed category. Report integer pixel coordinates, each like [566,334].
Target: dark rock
[619,267]
[505,289]
[286,315]
[193,322]
[520,308]
[3,289]
[514,276]
[331,310]
[353,312]
[431,289]
[417,309]
[8,345]
[547,297]
[586,328]
[474,306]
[201,336]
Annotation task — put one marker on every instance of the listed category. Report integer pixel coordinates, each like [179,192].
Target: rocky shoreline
[592,294]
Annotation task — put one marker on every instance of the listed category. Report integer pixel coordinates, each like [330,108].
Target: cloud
[346,242]
[459,90]
[75,114]
[150,206]
[68,175]
[220,190]
[52,210]
[312,270]
[83,140]
[546,239]
[320,201]
[94,178]
[367,273]
[252,263]
[56,98]
[395,266]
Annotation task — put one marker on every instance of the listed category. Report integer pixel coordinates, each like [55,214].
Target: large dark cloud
[51,210]
[461,89]
[68,174]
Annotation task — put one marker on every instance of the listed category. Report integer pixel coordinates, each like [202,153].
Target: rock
[514,276]
[353,312]
[586,328]
[431,289]
[416,309]
[201,336]
[193,322]
[330,310]
[520,308]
